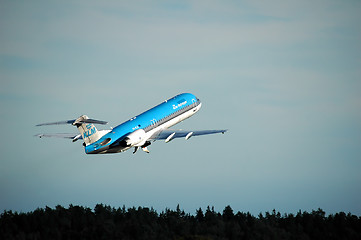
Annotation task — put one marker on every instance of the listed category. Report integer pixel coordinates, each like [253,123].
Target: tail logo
[91,130]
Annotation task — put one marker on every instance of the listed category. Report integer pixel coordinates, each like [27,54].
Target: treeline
[105,222]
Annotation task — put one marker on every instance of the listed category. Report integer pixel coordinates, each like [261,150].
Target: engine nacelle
[135,138]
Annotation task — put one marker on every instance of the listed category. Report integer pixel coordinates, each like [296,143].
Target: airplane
[139,131]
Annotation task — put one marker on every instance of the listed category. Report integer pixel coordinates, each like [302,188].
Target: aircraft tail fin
[88,131]
[85,125]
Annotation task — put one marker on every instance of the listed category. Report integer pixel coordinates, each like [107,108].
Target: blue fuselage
[149,121]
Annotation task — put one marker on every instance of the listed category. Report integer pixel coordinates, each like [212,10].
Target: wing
[169,134]
[72,136]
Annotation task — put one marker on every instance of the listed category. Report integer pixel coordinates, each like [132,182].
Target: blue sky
[283,76]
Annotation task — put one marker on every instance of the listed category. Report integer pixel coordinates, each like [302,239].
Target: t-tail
[88,131]
[85,125]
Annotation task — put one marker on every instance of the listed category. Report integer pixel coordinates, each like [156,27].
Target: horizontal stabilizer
[94,121]
[73,121]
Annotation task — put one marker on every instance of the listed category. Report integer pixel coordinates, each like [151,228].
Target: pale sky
[283,76]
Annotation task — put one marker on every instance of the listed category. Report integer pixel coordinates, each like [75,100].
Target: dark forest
[105,222]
